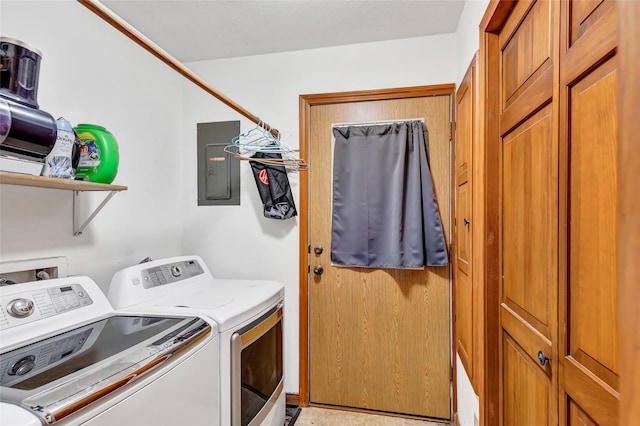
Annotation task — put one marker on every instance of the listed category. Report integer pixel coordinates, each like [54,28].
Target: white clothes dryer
[69,359]
[249,314]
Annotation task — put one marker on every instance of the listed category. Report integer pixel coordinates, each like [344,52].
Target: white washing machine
[249,317]
[67,358]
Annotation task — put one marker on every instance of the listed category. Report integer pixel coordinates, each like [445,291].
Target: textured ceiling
[195,30]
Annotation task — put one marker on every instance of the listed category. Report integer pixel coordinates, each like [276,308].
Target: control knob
[176,271]
[20,308]
[23,366]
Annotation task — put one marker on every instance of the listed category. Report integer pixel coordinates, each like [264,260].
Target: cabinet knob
[318,250]
[542,358]
[318,270]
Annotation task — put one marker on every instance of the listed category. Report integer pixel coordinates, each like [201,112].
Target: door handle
[318,270]
[542,358]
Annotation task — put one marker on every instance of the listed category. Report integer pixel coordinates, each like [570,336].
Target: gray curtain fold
[385,212]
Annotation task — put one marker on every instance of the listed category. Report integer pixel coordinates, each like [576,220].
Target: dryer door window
[257,370]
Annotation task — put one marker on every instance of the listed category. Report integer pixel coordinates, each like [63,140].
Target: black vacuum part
[32,133]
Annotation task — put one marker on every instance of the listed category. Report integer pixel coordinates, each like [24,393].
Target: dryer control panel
[170,273]
[33,305]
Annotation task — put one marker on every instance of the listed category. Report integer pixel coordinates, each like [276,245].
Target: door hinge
[308,269]
[309,248]
[451,373]
[450,131]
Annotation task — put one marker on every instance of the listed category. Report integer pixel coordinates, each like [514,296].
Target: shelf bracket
[77,230]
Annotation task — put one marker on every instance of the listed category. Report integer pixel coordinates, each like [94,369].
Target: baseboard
[455,419]
[293,399]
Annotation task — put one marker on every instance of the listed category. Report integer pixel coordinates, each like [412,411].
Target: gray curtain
[385,213]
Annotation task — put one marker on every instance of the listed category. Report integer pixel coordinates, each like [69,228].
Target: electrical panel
[218,170]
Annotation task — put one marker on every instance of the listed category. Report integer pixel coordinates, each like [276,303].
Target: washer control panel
[23,363]
[34,305]
[171,273]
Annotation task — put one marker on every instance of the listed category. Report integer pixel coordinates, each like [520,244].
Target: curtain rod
[121,25]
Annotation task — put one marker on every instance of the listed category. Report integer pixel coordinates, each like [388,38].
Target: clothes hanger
[258,137]
[288,159]
[261,139]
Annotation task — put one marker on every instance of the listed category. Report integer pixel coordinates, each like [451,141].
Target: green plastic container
[98,154]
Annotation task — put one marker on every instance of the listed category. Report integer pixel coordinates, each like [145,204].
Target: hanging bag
[273,186]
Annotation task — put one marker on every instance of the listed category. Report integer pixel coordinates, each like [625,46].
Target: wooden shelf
[55,183]
[76,186]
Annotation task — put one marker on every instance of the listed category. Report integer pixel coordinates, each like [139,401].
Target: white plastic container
[58,162]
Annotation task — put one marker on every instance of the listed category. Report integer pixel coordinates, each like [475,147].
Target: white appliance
[249,317]
[67,358]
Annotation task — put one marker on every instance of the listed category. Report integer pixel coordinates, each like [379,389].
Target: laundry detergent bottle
[98,154]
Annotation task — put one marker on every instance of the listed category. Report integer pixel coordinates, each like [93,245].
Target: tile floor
[313,416]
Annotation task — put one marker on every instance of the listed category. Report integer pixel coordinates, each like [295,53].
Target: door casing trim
[486,203]
[305,104]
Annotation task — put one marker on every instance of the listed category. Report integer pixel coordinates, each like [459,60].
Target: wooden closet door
[465,301]
[556,144]
[589,304]
[528,214]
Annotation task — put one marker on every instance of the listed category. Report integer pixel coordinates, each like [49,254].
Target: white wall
[468,35]
[239,241]
[467,43]
[91,73]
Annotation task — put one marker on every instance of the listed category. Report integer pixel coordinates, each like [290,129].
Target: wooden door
[465,302]
[528,215]
[629,204]
[555,98]
[589,369]
[379,338]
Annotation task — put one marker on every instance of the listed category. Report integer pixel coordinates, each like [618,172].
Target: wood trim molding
[628,206]
[292,399]
[456,421]
[496,15]
[305,104]
[303,299]
[485,244]
[477,305]
[453,258]
[377,95]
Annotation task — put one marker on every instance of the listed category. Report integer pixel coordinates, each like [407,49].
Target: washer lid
[228,302]
[58,375]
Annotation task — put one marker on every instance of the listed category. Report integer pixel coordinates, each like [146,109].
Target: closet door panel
[586,48]
[463,214]
[519,373]
[526,52]
[577,416]
[579,386]
[584,15]
[589,363]
[464,125]
[526,216]
[464,316]
[465,299]
[593,180]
